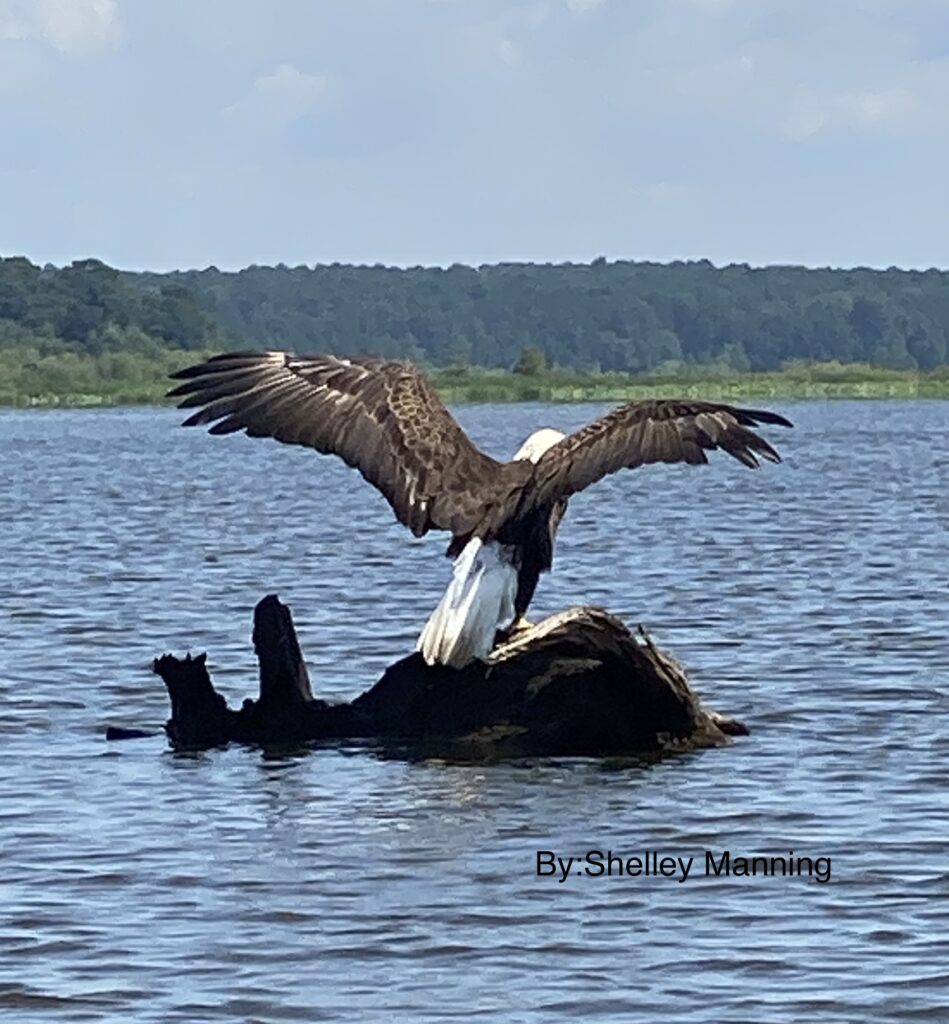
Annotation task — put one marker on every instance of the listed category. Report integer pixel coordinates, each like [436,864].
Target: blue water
[810,599]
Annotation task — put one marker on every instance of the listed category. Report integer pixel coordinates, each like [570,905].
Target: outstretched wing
[383,418]
[654,431]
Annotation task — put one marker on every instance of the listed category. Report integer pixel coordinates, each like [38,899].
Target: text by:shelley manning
[657,864]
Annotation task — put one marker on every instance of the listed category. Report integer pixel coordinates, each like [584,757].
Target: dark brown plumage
[651,431]
[383,418]
[386,420]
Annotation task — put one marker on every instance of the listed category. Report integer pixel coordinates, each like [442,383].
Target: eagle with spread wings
[386,420]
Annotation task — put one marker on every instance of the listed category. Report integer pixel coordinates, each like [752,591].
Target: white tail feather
[478,602]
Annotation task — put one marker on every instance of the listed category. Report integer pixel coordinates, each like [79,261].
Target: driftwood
[578,683]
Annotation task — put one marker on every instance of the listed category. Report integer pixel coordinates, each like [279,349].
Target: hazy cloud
[281,96]
[82,27]
[508,52]
[888,110]
[777,72]
[716,6]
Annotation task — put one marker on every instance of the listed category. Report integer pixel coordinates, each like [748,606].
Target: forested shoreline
[90,333]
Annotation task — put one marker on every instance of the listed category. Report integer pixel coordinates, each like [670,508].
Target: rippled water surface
[811,599]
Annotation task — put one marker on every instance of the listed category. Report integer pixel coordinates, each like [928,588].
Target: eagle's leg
[517,626]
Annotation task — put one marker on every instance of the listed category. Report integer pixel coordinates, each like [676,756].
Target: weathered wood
[578,683]
[284,680]
[122,732]
[199,714]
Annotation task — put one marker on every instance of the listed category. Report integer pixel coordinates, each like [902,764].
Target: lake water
[810,599]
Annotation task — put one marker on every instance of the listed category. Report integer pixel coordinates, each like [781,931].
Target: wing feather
[382,418]
[640,433]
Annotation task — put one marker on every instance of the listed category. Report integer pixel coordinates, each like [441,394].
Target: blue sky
[179,133]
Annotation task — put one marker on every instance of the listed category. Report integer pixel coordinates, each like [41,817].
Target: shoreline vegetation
[90,334]
[86,382]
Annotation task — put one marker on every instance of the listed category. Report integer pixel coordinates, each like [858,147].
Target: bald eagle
[386,420]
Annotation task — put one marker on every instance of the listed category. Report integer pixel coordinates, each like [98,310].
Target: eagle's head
[538,443]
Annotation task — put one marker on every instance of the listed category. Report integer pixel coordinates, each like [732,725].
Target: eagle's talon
[519,625]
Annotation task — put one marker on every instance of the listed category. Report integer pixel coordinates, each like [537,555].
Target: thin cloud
[794,80]
[78,27]
[508,53]
[886,110]
[583,6]
[282,96]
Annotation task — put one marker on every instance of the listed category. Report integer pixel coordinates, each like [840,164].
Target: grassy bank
[821,381]
[30,376]
[31,379]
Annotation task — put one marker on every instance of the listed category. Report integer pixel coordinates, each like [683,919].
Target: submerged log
[578,683]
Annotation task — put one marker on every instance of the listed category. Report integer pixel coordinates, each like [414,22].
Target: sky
[161,134]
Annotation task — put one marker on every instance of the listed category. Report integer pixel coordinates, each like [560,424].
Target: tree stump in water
[576,684]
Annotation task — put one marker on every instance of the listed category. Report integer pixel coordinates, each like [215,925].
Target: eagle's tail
[478,602]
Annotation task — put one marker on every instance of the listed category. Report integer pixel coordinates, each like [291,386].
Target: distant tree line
[625,317]
[604,316]
[91,308]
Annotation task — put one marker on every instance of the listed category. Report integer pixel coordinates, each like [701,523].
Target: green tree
[532,362]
